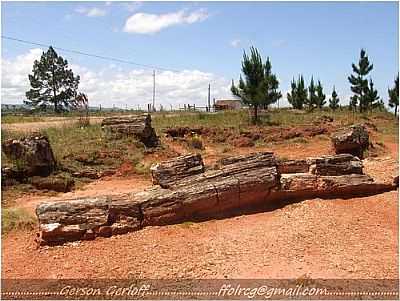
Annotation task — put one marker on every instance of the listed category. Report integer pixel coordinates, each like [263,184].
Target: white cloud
[91,12]
[235,43]
[143,23]
[116,85]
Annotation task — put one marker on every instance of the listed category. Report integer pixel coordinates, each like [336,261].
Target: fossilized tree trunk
[138,126]
[241,181]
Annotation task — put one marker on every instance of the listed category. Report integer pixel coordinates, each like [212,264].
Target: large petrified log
[138,126]
[352,140]
[241,181]
[32,155]
[170,171]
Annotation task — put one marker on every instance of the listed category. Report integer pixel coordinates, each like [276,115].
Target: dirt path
[39,125]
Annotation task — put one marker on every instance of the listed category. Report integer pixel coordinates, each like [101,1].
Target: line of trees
[54,84]
[259,87]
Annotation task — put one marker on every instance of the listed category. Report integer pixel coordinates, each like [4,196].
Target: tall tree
[259,87]
[311,101]
[371,97]
[334,100]
[52,83]
[298,96]
[320,96]
[272,94]
[394,95]
[359,84]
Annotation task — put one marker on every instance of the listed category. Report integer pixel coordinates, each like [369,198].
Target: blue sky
[202,41]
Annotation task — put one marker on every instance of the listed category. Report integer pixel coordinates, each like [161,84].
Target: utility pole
[209,105]
[154,90]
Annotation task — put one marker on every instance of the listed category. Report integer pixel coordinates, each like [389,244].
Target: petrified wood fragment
[138,126]
[170,171]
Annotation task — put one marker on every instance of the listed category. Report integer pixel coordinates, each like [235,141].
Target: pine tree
[334,100]
[320,96]
[259,88]
[371,97]
[311,101]
[394,95]
[271,85]
[52,83]
[298,96]
[359,85]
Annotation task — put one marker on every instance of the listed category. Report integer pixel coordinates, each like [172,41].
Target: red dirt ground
[340,238]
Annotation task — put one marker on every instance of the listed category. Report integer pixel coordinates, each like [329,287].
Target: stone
[351,140]
[138,126]
[292,166]
[32,156]
[170,171]
[342,164]
[55,183]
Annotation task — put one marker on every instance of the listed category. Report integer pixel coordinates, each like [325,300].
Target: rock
[87,218]
[342,164]
[32,155]
[11,176]
[352,140]
[168,172]
[55,183]
[309,185]
[138,126]
[191,193]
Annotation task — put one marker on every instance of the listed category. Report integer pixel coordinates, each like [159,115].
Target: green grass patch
[13,219]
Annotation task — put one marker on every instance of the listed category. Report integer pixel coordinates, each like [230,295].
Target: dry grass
[13,219]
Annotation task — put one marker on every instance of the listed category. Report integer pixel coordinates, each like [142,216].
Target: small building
[227,104]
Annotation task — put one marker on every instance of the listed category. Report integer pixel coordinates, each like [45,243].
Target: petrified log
[168,172]
[293,166]
[87,218]
[33,155]
[298,186]
[336,165]
[138,126]
[352,140]
[241,181]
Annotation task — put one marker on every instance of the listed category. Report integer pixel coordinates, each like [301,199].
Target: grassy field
[286,118]
[78,148]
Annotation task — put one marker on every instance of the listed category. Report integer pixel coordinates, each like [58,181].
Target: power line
[90,54]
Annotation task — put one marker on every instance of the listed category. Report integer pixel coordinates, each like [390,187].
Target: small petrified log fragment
[138,126]
[351,140]
[171,171]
